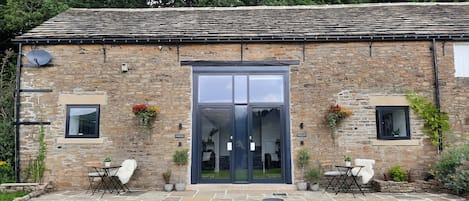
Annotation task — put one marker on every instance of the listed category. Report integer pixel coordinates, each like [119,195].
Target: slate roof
[260,23]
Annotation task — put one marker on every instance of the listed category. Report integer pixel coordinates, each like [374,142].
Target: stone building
[243,89]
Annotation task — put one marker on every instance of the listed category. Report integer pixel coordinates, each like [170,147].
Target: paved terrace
[243,193]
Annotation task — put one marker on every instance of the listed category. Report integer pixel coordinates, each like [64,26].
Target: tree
[16,17]
[108,3]
[19,16]
[7,135]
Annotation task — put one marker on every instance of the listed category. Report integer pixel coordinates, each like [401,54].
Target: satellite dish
[38,57]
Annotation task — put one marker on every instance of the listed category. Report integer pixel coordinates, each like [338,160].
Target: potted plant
[180,158]
[348,161]
[167,178]
[107,161]
[302,161]
[313,176]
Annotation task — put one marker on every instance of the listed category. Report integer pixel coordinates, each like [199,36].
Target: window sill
[80,141]
[395,142]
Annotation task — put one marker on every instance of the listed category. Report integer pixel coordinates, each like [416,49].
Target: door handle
[229,146]
[253,146]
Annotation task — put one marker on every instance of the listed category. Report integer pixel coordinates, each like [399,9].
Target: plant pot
[107,164]
[180,187]
[348,163]
[302,186]
[168,187]
[314,187]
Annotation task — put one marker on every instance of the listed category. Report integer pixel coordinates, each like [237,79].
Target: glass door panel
[215,130]
[266,132]
[241,145]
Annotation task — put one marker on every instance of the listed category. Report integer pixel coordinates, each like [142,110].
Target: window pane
[393,122]
[241,89]
[266,88]
[215,89]
[82,121]
[461,59]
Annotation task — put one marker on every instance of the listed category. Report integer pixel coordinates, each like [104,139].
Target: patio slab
[244,195]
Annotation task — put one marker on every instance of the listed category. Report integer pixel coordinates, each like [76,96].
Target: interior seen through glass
[216,132]
[266,133]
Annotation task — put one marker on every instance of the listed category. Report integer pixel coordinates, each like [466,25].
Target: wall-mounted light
[301,125]
[180,126]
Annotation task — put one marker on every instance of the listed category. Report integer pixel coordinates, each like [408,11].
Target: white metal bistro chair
[125,172]
[366,173]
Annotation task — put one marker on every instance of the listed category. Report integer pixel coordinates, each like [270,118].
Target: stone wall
[355,75]
[406,187]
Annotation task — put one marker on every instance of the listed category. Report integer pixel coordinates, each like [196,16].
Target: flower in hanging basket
[335,115]
[145,114]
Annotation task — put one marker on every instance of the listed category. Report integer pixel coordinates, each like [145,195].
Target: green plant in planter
[180,158]
[302,160]
[167,176]
[398,174]
[107,159]
[313,175]
[436,121]
[347,159]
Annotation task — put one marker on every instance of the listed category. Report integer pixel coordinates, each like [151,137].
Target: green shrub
[398,174]
[452,169]
[6,172]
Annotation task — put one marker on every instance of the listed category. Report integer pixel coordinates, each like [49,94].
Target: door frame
[240,70]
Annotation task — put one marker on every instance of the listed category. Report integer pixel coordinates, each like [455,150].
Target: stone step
[238,187]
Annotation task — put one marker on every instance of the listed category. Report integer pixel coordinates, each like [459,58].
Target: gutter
[238,39]
[17,113]
[437,90]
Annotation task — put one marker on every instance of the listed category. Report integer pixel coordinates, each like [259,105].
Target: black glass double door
[239,138]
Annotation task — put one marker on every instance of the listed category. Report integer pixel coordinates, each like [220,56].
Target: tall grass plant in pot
[167,181]
[313,176]
[302,160]
[180,158]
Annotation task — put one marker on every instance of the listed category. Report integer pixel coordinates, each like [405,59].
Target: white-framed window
[461,59]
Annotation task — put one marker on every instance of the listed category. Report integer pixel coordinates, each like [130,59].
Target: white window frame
[461,59]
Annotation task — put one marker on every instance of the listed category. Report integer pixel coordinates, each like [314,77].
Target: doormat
[280,194]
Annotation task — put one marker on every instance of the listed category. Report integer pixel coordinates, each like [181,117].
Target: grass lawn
[11,196]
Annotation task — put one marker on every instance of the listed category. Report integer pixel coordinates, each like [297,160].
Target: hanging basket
[145,114]
[145,121]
